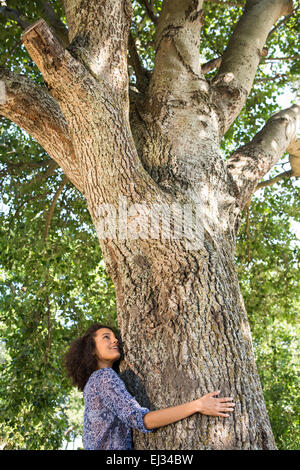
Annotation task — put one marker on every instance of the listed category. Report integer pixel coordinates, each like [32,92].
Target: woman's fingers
[222,399]
[214,406]
[226,407]
[211,394]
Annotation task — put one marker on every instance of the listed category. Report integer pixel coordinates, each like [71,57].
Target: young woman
[92,362]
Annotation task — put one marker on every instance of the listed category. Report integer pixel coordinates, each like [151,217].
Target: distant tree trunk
[180,311]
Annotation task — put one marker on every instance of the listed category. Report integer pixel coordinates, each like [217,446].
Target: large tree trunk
[185,333]
[180,311]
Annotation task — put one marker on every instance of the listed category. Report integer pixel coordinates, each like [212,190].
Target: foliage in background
[268,264]
[53,282]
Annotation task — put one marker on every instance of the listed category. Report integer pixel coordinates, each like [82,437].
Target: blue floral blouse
[110,412]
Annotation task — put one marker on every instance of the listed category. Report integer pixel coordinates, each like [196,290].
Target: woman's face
[107,347]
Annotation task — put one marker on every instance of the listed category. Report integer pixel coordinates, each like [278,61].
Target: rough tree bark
[180,312]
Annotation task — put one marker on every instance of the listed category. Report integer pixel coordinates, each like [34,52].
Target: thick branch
[97,115]
[98,32]
[32,108]
[64,75]
[247,165]
[54,62]
[234,80]
[177,67]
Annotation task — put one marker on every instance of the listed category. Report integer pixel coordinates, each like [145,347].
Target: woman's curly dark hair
[80,359]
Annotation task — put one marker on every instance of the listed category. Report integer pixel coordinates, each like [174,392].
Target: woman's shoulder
[101,375]
[105,371]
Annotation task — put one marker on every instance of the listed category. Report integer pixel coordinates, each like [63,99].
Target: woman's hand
[207,405]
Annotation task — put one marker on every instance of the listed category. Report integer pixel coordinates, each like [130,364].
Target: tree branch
[41,176]
[280,23]
[270,182]
[211,65]
[149,10]
[294,151]
[32,108]
[95,108]
[215,63]
[46,12]
[29,199]
[98,33]
[280,76]
[248,164]
[177,42]
[233,82]
[16,168]
[281,58]
[53,60]
[15,15]
[224,3]
[141,75]
[54,21]
[52,207]
[10,53]
[64,75]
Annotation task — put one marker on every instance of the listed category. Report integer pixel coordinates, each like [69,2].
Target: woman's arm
[206,405]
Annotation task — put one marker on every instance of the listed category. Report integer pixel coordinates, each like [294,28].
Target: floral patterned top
[110,412]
